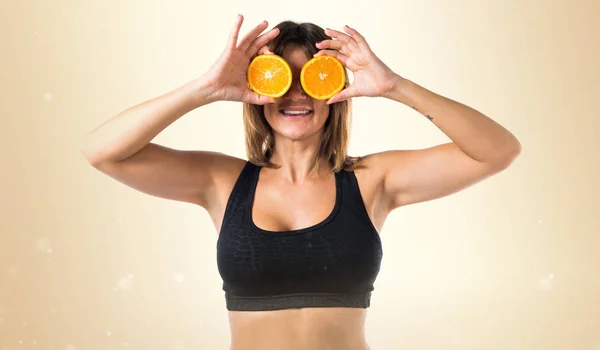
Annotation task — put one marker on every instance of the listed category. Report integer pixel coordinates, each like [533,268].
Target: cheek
[270,111]
[322,108]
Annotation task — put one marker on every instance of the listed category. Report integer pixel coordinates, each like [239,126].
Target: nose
[296,92]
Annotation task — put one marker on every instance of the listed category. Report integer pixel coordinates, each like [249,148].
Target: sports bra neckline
[327,220]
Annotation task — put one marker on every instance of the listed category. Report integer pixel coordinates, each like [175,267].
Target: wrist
[201,92]
[399,88]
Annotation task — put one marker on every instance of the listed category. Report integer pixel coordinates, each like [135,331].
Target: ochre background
[511,263]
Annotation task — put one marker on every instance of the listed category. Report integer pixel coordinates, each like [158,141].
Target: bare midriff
[299,329]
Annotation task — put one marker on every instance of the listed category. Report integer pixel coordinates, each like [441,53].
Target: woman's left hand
[371,76]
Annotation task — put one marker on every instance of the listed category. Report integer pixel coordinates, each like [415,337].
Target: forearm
[475,134]
[129,131]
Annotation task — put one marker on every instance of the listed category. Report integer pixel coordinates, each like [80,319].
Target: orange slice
[269,75]
[322,77]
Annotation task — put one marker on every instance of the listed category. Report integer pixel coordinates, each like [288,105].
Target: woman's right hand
[227,77]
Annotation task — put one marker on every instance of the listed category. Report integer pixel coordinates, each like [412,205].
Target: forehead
[295,56]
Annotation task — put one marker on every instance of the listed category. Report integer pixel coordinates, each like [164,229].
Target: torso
[298,329]
[310,203]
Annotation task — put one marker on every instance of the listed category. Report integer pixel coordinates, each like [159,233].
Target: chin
[295,134]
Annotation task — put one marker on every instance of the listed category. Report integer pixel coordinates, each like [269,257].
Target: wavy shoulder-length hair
[260,142]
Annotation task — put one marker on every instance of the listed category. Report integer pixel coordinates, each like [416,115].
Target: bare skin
[309,328]
[121,148]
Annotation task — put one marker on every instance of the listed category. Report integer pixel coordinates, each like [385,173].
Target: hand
[227,77]
[371,76]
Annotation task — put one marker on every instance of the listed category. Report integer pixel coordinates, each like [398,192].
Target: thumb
[256,99]
[342,95]
[264,100]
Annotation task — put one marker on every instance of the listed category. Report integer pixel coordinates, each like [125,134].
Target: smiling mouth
[295,113]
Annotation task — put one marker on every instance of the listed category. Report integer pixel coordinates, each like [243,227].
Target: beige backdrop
[509,264]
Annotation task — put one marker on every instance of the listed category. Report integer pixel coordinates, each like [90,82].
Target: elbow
[86,150]
[97,162]
[89,157]
[90,153]
[512,150]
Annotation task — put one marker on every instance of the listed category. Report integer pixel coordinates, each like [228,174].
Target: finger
[358,38]
[264,51]
[261,41]
[249,38]
[342,95]
[233,36]
[256,99]
[330,44]
[343,37]
[340,56]
[264,100]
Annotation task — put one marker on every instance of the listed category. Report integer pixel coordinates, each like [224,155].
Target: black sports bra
[331,264]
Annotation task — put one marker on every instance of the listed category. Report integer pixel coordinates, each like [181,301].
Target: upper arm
[412,176]
[187,176]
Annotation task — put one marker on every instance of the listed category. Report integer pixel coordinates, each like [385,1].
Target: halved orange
[322,77]
[269,75]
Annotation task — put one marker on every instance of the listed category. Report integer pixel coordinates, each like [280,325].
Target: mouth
[296,113]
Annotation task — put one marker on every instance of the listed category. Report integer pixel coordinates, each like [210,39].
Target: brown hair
[260,141]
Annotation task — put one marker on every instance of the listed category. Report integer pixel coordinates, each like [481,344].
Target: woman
[298,223]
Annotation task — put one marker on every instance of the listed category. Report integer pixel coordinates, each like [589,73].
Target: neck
[296,159]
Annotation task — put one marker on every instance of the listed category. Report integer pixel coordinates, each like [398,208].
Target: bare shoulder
[371,169]
[223,165]
[225,169]
[371,165]
[370,176]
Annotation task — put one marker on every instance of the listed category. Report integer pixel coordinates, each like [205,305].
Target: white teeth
[285,111]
